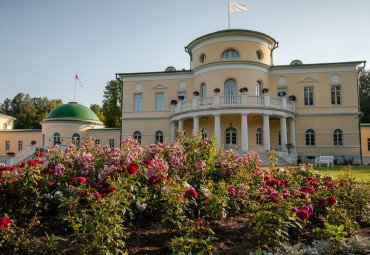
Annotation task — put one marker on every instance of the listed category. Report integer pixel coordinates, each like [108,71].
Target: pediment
[308,80]
[159,86]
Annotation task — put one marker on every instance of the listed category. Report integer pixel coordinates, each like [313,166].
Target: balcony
[241,101]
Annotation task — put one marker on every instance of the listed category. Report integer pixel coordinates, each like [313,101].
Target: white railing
[11,161]
[233,101]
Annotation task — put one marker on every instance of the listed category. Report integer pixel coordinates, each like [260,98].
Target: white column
[218,130]
[244,132]
[292,131]
[283,133]
[196,124]
[266,132]
[173,131]
[181,125]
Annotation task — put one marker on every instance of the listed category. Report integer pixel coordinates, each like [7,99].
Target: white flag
[236,7]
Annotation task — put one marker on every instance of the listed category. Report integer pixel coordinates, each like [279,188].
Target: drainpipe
[120,122]
[272,57]
[359,106]
[190,54]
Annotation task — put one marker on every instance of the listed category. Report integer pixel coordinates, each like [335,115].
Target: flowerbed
[186,189]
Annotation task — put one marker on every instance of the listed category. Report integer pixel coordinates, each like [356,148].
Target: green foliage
[98,111]
[364,81]
[333,232]
[112,104]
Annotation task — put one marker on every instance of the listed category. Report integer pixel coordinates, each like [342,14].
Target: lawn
[360,173]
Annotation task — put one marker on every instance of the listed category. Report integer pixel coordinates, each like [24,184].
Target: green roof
[72,110]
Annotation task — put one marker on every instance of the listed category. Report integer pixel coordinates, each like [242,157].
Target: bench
[324,160]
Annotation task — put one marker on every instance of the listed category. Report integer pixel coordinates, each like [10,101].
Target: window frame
[7,145]
[259,138]
[310,137]
[258,88]
[137,136]
[159,101]
[159,137]
[228,54]
[338,137]
[138,102]
[368,144]
[308,95]
[335,95]
[56,138]
[184,94]
[20,145]
[111,142]
[97,141]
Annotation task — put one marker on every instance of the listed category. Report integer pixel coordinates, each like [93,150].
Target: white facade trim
[324,106]
[328,113]
[230,65]
[160,76]
[312,147]
[146,111]
[303,69]
[249,38]
[145,118]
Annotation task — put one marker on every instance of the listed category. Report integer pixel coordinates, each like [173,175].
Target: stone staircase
[283,158]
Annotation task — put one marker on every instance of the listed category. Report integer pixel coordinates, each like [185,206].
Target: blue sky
[44,42]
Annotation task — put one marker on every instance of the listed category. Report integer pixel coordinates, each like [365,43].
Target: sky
[43,43]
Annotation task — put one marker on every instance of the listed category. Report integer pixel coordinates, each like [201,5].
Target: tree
[111,104]
[364,81]
[98,111]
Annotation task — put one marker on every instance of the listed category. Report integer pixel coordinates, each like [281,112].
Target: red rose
[148,162]
[73,179]
[303,196]
[83,193]
[106,191]
[294,210]
[321,201]
[192,193]
[342,184]
[40,155]
[181,197]
[81,180]
[23,164]
[232,192]
[96,194]
[331,201]
[4,222]
[307,189]
[155,179]
[267,178]
[302,214]
[131,169]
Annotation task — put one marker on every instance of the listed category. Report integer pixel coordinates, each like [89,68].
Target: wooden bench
[324,160]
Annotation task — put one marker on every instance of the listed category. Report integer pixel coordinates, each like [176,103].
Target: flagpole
[74,95]
[228,11]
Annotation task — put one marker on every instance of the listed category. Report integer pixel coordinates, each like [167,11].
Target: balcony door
[230,92]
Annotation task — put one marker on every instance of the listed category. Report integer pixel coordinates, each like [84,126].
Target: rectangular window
[179,94]
[335,94]
[97,141]
[20,145]
[111,143]
[368,144]
[308,96]
[282,92]
[7,145]
[159,101]
[138,102]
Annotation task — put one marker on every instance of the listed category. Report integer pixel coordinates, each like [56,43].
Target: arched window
[310,137]
[76,139]
[338,137]
[204,133]
[258,88]
[137,136]
[231,137]
[56,139]
[202,58]
[259,136]
[159,137]
[43,140]
[230,54]
[230,92]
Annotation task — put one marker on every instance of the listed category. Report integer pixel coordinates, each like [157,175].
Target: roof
[72,110]
[7,116]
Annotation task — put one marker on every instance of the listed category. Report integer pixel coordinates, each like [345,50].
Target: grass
[360,173]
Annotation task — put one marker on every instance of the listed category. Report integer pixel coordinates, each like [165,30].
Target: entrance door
[231,138]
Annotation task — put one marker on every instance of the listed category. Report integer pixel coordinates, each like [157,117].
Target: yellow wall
[18,135]
[365,135]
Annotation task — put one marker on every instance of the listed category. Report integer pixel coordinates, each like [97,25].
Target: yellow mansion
[232,92]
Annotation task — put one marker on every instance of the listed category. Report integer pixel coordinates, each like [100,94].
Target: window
[310,137]
[182,94]
[335,94]
[259,55]
[97,141]
[20,145]
[203,93]
[368,144]
[202,58]
[76,139]
[308,96]
[282,92]
[56,139]
[138,102]
[159,101]
[204,133]
[7,145]
[259,136]
[338,137]
[159,137]
[111,143]
[279,137]
[137,136]
[230,54]
[258,88]
[230,92]
[5,126]
[43,140]
[230,138]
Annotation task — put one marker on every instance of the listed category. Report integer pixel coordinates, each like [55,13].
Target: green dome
[72,110]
